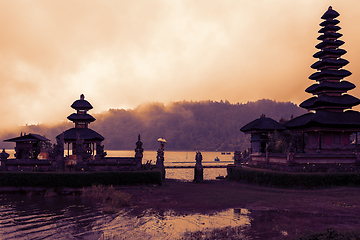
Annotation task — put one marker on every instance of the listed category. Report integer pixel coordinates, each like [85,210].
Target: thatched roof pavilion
[259,130]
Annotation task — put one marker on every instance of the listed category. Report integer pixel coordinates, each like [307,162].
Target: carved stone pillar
[198,170]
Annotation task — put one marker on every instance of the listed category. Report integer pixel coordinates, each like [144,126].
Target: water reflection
[29,217]
[73,217]
[170,225]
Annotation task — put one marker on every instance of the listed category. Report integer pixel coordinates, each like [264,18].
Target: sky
[120,54]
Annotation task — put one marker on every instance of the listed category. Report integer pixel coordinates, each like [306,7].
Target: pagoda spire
[81,118]
[330,90]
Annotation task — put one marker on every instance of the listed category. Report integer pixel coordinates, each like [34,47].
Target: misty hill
[205,125]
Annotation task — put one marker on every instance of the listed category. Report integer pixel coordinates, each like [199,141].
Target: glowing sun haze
[120,54]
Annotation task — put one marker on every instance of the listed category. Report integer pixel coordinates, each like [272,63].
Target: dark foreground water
[58,217]
[74,217]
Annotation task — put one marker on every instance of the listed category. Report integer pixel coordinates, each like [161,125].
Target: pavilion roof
[31,137]
[262,124]
[86,134]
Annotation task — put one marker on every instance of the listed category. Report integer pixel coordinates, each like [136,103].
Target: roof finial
[82,97]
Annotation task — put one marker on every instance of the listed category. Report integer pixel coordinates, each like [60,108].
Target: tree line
[186,125]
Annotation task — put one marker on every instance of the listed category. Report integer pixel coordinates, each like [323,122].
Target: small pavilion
[81,131]
[28,146]
[260,129]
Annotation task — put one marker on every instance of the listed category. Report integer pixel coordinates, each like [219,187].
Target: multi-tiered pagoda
[82,119]
[330,123]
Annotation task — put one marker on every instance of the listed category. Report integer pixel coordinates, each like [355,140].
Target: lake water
[184,158]
[179,158]
[74,217]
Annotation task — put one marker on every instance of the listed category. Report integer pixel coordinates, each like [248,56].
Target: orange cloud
[123,53]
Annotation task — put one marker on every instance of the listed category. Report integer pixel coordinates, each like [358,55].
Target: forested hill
[205,125]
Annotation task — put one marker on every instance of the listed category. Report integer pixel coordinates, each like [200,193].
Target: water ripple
[59,217]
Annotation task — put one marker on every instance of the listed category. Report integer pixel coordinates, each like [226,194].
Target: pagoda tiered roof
[326,120]
[85,118]
[327,62]
[330,72]
[329,22]
[81,104]
[330,14]
[330,53]
[329,35]
[81,119]
[326,86]
[325,101]
[326,74]
[330,101]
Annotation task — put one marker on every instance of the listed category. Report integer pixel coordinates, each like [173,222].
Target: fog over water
[124,53]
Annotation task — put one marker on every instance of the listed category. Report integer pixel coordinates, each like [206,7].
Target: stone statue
[100,153]
[237,157]
[81,149]
[25,154]
[58,148]
[160,157]
[4,155]
[198,159]
[3,158]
